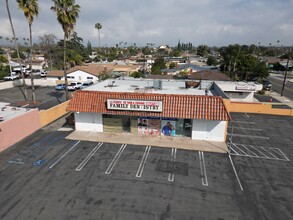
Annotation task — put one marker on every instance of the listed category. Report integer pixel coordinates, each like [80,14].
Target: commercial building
[152,107]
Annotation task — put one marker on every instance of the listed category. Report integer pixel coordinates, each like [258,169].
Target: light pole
[287,67]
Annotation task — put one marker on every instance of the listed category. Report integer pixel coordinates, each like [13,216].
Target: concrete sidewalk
[156,141]
[284,100]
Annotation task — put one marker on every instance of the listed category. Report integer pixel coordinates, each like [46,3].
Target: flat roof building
[152,107]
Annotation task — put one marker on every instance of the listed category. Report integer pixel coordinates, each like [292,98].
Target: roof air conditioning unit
[158,84]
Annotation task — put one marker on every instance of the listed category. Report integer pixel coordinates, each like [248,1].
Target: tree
[67,13]
[47,43]
[30,9]
[89,47]
[211,61]
[137,74]
[99,27]
[202,50]
[16,47]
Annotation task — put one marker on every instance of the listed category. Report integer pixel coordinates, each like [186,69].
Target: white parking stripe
[247,115]
[203,171]
[254,154]
[251,136]
[173,159]
[116,158]
[87,159]
[235,172]
[269,152]
[265,156]
[281,153]
[239,149]
[143,161]
[251,129]
[244,122]
[50,167]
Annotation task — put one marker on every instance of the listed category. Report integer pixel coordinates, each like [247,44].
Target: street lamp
[287,67]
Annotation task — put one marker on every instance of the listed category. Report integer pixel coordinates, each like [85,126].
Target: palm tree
[17,51]
[67,13]
[99,27]
[30,9]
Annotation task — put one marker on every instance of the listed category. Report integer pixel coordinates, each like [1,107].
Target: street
[277,83]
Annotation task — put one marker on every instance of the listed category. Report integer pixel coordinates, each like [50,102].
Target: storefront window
[153,126]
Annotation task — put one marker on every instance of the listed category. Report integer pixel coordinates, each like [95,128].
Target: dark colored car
[267,85]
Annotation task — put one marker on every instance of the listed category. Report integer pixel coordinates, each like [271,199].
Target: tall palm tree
[17,51]
[30,9]
[99,27]
[67,13]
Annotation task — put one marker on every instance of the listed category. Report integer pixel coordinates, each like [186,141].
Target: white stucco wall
[240,96]
[88,122]
[81,76]
[208,130]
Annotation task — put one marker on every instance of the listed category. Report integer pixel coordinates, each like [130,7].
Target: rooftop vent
[158,84]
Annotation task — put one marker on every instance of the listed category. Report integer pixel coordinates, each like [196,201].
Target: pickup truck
[11,77]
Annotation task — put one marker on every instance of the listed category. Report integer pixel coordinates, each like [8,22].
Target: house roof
[94,69]
[55,73]
[209,75]
[188,66]
[174,106]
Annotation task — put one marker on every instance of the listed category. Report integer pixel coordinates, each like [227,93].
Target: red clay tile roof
[174,106]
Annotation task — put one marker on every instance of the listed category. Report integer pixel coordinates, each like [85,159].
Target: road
[277,83]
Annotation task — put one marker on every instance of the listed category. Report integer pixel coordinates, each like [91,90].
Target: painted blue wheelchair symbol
[39,162]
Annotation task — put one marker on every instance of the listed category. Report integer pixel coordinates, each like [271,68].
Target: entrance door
[187,128]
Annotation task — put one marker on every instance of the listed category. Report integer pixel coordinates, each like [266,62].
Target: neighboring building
[152,107]
[10,120]
[239,91]
[189,67]
[90,72]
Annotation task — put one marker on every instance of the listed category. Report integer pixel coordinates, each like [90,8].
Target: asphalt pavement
[46,97]
[277,84]
[47,176]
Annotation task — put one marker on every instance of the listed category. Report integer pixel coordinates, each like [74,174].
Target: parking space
[75,179]
[46,97]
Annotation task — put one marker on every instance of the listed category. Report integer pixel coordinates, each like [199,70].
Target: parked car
[267,85]
[43,74]
[86,84]
[12,76]
[61,86]
[74,86]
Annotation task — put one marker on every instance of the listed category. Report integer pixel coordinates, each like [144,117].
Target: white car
[43,74]
[12,76]
[74,86]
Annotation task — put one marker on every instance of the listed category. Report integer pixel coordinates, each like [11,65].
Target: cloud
[211,22]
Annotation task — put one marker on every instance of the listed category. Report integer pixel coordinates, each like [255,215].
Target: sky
[164,22]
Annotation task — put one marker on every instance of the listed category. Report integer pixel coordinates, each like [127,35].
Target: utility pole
[285,77]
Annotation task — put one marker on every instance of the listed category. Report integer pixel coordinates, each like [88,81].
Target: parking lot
[47,176]
[46,97]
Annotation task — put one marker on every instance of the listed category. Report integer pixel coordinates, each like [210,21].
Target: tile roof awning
[174,106]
